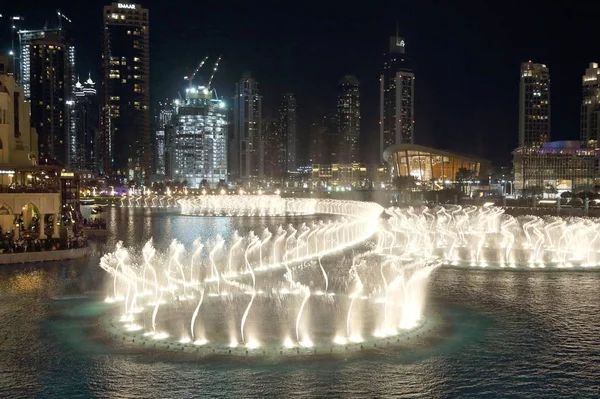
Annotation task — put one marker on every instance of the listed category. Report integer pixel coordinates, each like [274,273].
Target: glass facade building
[126,152]
[397,97]
[430,165]
[348,114]
[534,105]
[199,143]
[590,107]
[563,165]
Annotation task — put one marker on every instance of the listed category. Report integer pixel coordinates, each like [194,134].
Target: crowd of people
[29,238]
[34,244]
[97,223]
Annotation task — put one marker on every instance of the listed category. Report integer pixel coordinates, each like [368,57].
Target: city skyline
[444,64]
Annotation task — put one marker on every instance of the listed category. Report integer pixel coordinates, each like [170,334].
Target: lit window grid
[534,167]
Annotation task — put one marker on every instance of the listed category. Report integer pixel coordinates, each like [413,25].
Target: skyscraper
[534,105]
[49,91]
[274,148]
[323,138]
[199,143]
[397,97]
[348,113]
[126,153]
[287,128]
[590,107]
[85,119]
[246,155]
[24,58]
[163,122]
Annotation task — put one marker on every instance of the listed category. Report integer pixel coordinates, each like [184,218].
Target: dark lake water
[506,334]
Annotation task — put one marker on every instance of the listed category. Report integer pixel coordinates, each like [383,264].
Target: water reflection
[513,333]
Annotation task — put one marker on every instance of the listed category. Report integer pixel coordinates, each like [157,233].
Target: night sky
[466,58]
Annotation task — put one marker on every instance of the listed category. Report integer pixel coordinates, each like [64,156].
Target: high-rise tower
[47,74]
[85,118]
[396,97]
[534,105]
[163,123]
[126,153]
[246,152]
[199,142]
[590,107]
[287,129]
[348,113]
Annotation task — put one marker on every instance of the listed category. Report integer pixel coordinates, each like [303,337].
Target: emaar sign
[123,5]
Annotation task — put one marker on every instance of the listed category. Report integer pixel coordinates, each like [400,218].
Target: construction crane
[214,71]
[61,16]
[193,75]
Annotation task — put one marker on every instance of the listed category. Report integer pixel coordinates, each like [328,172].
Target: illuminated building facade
[397,97]
[163,124]
[349,176]
[24,57]
[47,64]
[126,153]
[247,153]
[199,142]
[562,165]
[85,122]
[435,168]
[590,107]
[534,105]
[18,139]
[287,129]
[348,114]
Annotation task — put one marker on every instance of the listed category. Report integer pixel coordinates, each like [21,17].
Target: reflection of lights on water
[161,335]
[307,343]
[233,344]
[109,300]
[200,342]
[133,327]
[339,340]
[356,338]
[288,343]
[127,318]
[185,340]
[149,334]
[252,344]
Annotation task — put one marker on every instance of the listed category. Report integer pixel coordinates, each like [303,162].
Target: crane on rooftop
[193,75]
[214,71]
[61,16]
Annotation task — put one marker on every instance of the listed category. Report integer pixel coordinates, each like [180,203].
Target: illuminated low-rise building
[555,167]
[430,166]
[353,175]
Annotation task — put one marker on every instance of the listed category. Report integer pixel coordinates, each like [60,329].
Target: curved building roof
[420,148]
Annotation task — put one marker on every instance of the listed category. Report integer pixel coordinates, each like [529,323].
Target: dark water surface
[506,334]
